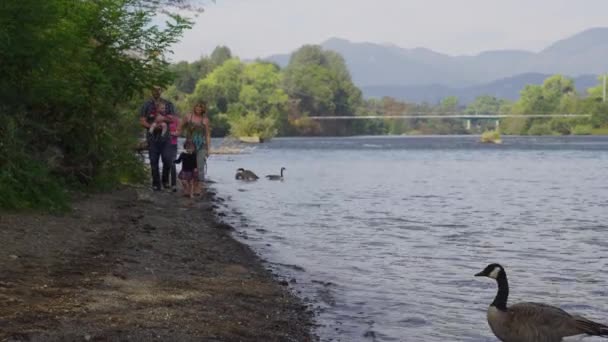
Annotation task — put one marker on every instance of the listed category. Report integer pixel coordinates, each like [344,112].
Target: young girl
[189,173]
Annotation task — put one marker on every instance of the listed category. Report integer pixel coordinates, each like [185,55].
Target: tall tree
[322,86]
[68,74]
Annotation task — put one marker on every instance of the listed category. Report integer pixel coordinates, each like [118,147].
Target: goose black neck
[281,172]
[500,301]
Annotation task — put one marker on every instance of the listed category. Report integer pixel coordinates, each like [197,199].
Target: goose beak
[480,274]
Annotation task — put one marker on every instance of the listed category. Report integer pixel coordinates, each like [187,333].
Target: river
[384,234]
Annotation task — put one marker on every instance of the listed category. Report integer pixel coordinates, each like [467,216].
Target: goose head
[493,271]
[240,169]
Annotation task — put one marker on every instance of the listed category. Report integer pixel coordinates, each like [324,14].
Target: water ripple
[388,251]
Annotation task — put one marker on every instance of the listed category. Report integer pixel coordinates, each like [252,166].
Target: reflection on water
[384,234]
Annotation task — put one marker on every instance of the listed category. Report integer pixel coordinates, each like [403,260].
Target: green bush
[514,126]
[561,126]
[72,79]
[543,128]
[252,125]
[582,130]
[490,137]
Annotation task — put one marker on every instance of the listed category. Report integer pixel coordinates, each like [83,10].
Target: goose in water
[245,175]
[532,322]
[276,177]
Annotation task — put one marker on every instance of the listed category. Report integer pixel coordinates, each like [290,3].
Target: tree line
[74,73]
[260,98]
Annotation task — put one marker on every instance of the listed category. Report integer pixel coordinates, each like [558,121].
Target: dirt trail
[138,266]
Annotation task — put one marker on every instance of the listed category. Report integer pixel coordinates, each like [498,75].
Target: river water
[384,234]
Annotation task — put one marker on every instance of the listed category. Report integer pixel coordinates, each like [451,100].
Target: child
[189,173]
[159,124]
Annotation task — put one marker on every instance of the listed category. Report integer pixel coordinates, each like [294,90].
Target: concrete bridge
[468,118]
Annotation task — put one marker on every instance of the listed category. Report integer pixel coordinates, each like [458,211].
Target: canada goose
[276,177]
[532,322]
[246,175]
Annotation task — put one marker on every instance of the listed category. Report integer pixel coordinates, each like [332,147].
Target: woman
[197,129]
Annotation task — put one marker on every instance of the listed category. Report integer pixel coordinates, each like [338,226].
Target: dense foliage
[73,74]
[69,72]
[258,98]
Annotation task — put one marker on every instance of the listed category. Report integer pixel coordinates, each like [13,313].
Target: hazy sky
[258,28]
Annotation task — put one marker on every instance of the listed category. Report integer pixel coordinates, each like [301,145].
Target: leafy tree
[595,106]
[449,104]
[486,104]
[70,71]
[244,92]
[320,82]
[544,99]
[220,55]
[221,86]
[597,92]
[188,74]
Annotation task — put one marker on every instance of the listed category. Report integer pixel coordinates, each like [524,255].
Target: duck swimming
[245,175]
[276,177]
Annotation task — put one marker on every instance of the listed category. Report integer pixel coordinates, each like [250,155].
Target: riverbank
[119,267]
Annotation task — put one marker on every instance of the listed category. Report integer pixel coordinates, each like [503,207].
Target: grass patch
[30,185]
[599,131]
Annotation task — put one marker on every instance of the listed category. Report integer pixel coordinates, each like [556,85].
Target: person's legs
[167,162]
[201,163]
[154,153]
[185,189]
[173,168]
[192,187]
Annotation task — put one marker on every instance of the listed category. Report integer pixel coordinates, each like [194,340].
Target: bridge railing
[448,116]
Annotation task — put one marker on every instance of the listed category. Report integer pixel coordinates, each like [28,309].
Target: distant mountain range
[424,75]
[506,88]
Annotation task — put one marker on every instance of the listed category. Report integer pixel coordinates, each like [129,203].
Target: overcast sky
[258,28]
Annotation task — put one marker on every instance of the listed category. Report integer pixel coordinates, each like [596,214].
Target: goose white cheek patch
[494,273]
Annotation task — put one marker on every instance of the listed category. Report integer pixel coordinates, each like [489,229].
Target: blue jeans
[173,152]
[160,150]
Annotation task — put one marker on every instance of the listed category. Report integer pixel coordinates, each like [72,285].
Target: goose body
[246,175]
[276,177]
[532,322]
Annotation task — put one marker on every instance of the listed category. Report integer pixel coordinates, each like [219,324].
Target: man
[158,146]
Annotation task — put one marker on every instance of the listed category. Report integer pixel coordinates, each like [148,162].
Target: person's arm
[142,116]
[208,135]
[144,123]
[170,109]
[178,127]
[179,160]
[184,122]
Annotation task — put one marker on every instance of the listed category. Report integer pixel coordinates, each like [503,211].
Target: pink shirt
[174,129]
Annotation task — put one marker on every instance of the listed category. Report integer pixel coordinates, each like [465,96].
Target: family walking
[163,128]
